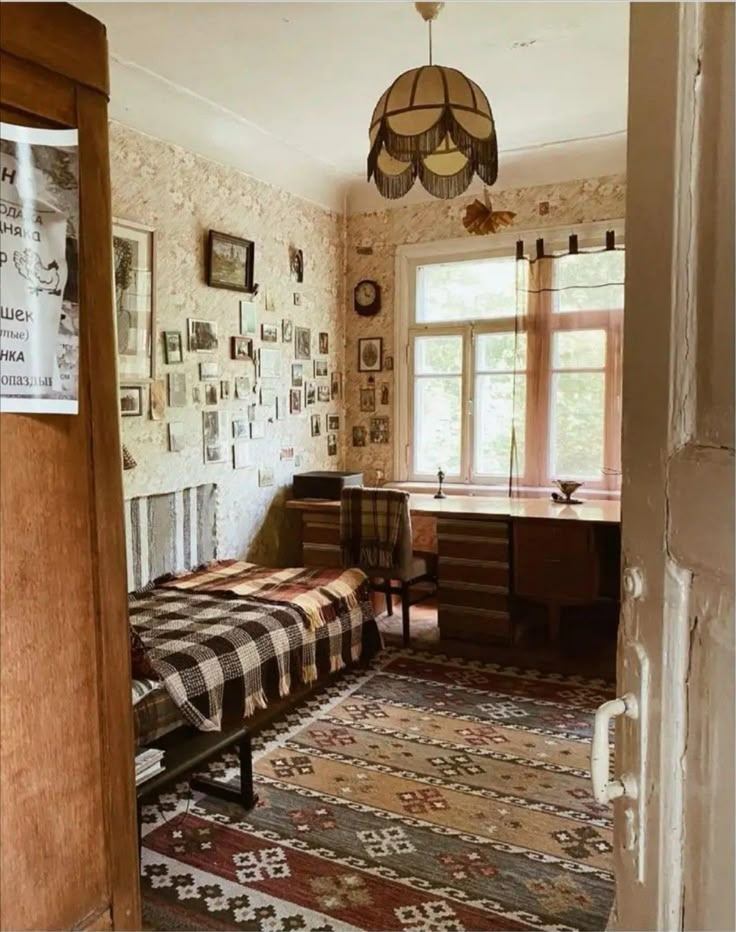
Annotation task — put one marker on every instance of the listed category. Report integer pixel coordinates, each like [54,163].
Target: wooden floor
[587,644]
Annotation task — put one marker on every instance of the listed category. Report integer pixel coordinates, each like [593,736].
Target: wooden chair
[408,569]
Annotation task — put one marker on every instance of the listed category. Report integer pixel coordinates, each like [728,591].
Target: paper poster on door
[39,292]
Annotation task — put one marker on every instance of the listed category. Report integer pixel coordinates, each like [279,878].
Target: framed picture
[269,302]
[324,343]
[287,331]
[384,393]
[269,333]
[359,436]
[323,392]
[281,407]
[225,389]
[370,354]
[333,422]
[265,476]
[173,351]
[177,387]
[229,262]
[202,335]
[316,425]
[269,363]
[134,261]
[242,387]
[257,430]
[176,436]
[296,265]
[388,363]
[131,400]
[209,371]
[379,430]
[241,456]
[297,299]
[268,397]
[302,343]
[248,318]
[310,393]
[335,386]
[241,348]
[211,397]
[320,368]
[295,401]
[196,395]
[332,444]
[297,374]
[214,434]
[241,428]
[368,400]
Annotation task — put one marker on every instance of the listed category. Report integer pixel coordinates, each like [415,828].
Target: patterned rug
[425,795]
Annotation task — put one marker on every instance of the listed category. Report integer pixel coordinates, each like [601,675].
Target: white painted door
[674,856]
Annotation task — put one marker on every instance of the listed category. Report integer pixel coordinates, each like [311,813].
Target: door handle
[605,790]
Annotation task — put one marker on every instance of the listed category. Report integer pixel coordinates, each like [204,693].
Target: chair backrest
[375,528]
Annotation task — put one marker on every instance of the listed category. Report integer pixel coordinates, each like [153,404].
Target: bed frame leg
[247,793]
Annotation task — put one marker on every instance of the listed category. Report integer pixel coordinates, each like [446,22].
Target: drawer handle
[553,559]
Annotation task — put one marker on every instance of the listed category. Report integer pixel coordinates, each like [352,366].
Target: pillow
[140,665]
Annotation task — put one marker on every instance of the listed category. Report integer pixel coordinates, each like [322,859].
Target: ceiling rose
[435,124]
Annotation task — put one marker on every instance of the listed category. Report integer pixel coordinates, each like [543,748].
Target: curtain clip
[540,249]
[519,249]
[610,239]
[573,244]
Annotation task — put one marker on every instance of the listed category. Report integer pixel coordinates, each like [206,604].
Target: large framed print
[134,266]
[39,270]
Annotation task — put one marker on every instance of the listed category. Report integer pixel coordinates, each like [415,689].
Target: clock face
[365,293]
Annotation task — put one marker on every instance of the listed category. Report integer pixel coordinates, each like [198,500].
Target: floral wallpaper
[380,233]
[182,196]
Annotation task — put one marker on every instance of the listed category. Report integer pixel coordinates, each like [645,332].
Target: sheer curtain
[566,400]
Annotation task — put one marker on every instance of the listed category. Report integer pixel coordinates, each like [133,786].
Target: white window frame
[407,261]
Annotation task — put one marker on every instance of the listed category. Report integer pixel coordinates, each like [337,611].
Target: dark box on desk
[327,484]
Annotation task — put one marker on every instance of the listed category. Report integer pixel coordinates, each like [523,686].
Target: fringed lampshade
[433,123]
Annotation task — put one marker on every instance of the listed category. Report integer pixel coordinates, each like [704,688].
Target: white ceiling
[285,91]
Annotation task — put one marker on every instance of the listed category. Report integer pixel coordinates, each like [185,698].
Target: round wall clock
[367,298]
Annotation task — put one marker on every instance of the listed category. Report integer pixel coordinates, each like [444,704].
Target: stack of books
[147,764]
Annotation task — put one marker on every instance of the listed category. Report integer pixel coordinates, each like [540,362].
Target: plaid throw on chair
[370,525]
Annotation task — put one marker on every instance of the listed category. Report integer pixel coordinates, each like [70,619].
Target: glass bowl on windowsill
[568,487]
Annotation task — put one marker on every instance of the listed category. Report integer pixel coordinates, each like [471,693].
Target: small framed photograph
[211,396]
[173,351]
[320,369]
[214,434]
[287,331]
[296,265]
[388,363]
[281,407]
[242,387]
[225,389]
[209,371]
[241,456]
[196,395]
[269,302]
[230,262]
[269,333]
[297,375]
[241,348]
[269,363]
[379,430]
[359,434]
[310,393]
[370,354]
[202,335]
[177,386]
[316,425]
[265,476]
[257,430]
[268,397]
[333,422]
[176,436]
[324,343]
[302,343]
[131,400]
[295,401]
[241,428]
[323,392]
[335,386]
[384,396]
[332,444]
[286,453]
[367,400]
[297,299]
[248,318]
[157,399]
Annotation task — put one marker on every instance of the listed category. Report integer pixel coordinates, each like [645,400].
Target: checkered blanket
[370,524]
[319,594]
[205,646]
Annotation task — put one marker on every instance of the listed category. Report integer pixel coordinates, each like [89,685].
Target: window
[476,370]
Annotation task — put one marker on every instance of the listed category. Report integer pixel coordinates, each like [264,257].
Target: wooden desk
[494,552]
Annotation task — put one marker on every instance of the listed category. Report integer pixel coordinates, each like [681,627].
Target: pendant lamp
[433,123]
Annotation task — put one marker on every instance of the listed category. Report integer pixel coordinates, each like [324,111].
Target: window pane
[495,352]
[590,281]
[437,424]
[579,349]
[493,410]
[577,425]
[441,355]
[472,290]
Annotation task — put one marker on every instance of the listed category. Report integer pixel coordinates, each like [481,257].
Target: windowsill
[500,491]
